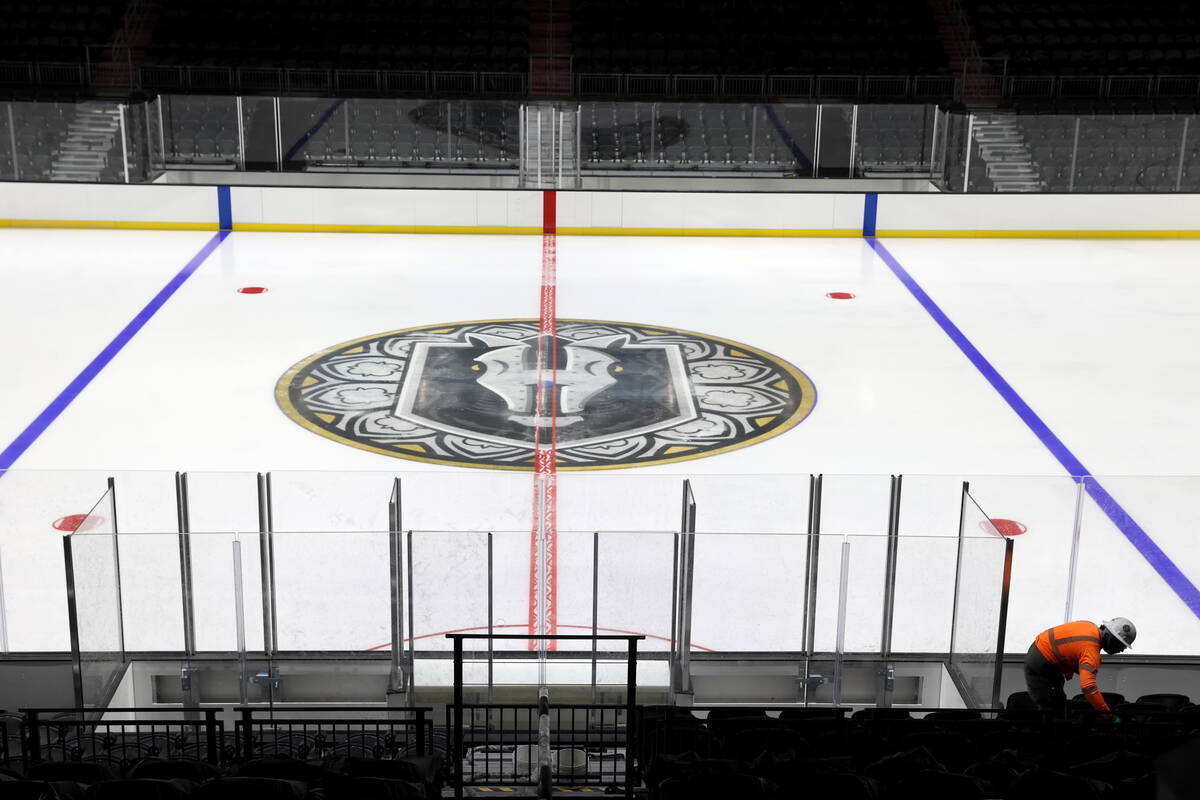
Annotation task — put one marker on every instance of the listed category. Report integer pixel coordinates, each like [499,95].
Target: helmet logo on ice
[623,395]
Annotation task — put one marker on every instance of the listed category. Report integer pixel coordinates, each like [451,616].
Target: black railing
[65,734]
[307,732]
[589,742]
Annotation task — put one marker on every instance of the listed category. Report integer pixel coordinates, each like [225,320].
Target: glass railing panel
[448,587]
[634,580]
[214,590]
[151,592]
[836,141]
[979,594]
[203,130]
[893,140]
[1039,511]
[319,500]
[36,508]
[748,592]
[94,595]
[1128,153]
[332,591]
[923,608]
[855,504]
[1130,526]
[789,140]
[222,501]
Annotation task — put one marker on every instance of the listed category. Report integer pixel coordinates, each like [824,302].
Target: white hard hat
[1121,628]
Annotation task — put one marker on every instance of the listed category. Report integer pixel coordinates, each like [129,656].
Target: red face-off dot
[1006,527]
[252,290]
[840,296]
[76,522]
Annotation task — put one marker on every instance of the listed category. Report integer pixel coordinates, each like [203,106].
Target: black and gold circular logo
[622,395]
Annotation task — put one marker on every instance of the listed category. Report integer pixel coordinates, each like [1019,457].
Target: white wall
[425,207]
[108,202]
[710,210]
[611,211]
[1038,212]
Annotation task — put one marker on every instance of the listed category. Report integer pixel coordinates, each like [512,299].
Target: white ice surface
[1095,336]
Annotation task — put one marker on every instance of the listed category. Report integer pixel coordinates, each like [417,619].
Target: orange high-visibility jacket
[1075,647]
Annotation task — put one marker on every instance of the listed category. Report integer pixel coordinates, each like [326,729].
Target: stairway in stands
[979,82]
[84,154]
[1007,158]
[120,62]
[550,48]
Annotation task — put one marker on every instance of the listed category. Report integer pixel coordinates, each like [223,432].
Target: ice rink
[1094,339]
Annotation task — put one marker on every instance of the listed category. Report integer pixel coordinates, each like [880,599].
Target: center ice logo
[617,394]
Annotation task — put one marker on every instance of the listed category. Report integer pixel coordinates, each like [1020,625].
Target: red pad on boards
[1006,527]
[75,522]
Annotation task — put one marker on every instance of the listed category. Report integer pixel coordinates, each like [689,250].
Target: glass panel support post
[398,682]
[278,135]
[186,587]
[933,140]
[185,563]
[346,130]
[1002,627]
[73,623]
[817,144]
[653,131]
[840,650]
[967,160]
[682,585]
[412,631]
[266,557]
[4,614]
[1182,150]
[239,621]
[753,132]
[12,138]
[124,142]
[116,530]
[1073,566]
[595,603]
[887,672]
[852,172]
[962,523]
[815,483]
[1074,157]
[241,128]
[162,136]
[491,619]
[578,147]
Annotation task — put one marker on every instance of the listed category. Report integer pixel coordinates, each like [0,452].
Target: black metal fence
[301,732]
[332,732]
[589,742]
[64,734]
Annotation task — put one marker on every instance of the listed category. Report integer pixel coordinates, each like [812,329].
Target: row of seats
[1108,37]
[50,31]
[886,753]
[361,34]
[408,778]
[719,37]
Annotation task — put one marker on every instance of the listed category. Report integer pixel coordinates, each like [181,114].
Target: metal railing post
[124,143]
[266,559]
[889,589]
[12,136]
[1182,150]
[1074,562]
[1074,155]
[967,160]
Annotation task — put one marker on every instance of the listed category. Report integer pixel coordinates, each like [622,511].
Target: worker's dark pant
[1044,682]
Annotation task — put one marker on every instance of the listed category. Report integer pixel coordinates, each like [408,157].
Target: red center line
[543,554]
